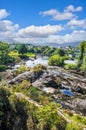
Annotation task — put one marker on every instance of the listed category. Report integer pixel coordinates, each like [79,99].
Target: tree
[22,48]
[56,60]
[82,47]
[4,49]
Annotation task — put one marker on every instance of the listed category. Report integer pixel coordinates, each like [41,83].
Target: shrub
[0,78]
[73,127]
[38,68]
[56,60]
[70,66]
[3,68]
[20,70]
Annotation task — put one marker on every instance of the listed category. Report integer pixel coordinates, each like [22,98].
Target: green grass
[13,53]
[78,119]
[31,55]
[70,66]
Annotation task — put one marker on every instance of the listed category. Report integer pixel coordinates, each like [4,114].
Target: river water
[39,60]
[33,62]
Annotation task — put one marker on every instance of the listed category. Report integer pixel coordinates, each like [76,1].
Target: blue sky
[43,21]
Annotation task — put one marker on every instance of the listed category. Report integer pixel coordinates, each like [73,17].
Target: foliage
[15,55]
[49,119]
[70,66]
[22,48]
[73,126]
[82,60]
[38,68]
[5,59]
[31,55]
[0,78]
[21,69]
[3,68]
[56,60]
[83,66]
[22,87]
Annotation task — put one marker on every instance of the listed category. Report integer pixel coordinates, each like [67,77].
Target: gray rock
[31,76]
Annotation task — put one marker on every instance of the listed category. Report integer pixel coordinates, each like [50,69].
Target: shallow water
[40,60]
[67,92]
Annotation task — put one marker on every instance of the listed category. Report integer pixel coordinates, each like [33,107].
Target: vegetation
[21,69]
[82,57]
[14,107]
[5,59]
[24,107]
[56,60]
[70,66]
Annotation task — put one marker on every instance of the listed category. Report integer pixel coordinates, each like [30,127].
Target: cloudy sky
[43,21]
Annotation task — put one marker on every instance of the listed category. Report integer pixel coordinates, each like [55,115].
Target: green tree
[56,60]
[22,48]
[82,47]
[4,49]
[49,119]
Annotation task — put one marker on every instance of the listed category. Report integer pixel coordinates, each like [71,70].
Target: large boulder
[46,80]
[80,105]
[31,76]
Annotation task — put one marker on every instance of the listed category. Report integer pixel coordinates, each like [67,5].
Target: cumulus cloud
[38,34]
[77,23]
[75,36]
[3,13]
[7,30]
[56,15]
[67,14]
[39,31]
[71,8]
[11,32]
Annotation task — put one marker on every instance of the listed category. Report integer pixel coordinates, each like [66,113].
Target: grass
[31,55]
[77,119]
[13,53]
[70,66]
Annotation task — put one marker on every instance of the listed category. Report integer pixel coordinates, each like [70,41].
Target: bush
[20,70]
[70,66]
[56,60]
[0,78]
[38,68]
[73,127]
[83,66]
[3,68]
[23,56]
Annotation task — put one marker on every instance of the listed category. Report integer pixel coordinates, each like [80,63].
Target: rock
[79,105]
[46,80]
[31,76]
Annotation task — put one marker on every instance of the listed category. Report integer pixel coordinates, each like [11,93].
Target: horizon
[43,22]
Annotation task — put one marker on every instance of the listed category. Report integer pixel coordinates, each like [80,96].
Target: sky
[42,21]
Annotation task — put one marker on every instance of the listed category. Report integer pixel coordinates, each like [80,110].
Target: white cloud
[56,15]
[67,14]
[38,34]
[11,32]
[39,31]
[77,23]
[75,36]
[3,13]
[71,8]
[7,30]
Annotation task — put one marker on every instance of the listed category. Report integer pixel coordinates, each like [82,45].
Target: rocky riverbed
[68,89]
